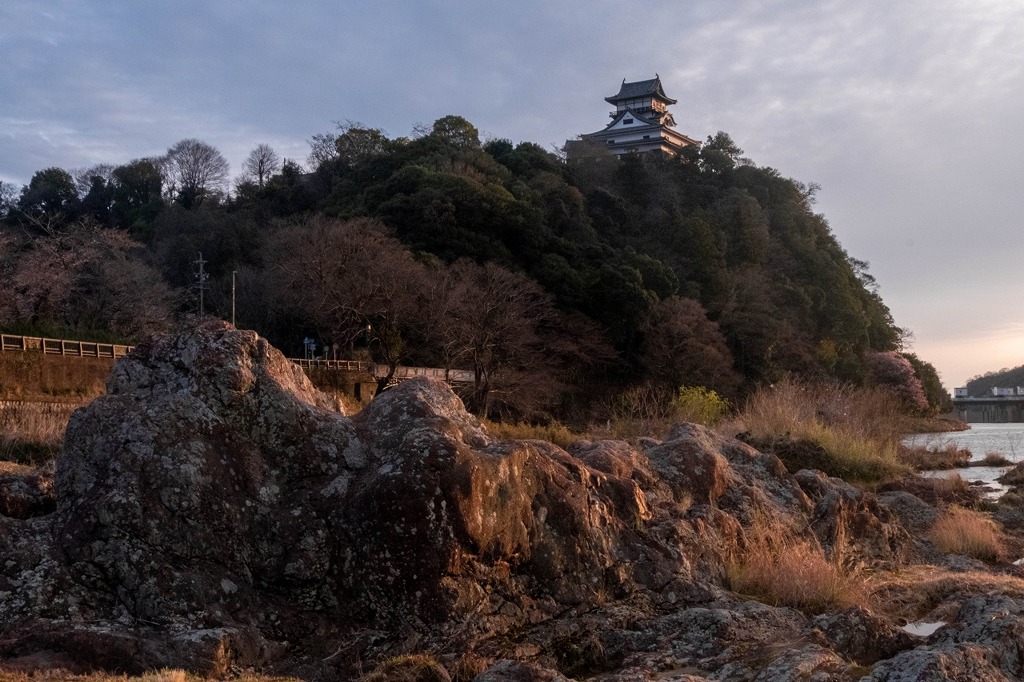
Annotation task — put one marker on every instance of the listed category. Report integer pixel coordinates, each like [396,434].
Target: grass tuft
[931,457]
[968,532]
[995,459]
[552,433]
[408,668]
[850,433]
[791,572]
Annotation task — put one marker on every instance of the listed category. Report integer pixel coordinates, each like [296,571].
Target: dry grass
[937,491]
[34,376]
[856,431]
[932,457]
[968,532]
[915,590]
[552,433]
[408,668]
[786,571]
[59,675]
[994,459]
[31,433]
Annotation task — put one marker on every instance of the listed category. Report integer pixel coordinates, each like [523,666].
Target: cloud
[906,113]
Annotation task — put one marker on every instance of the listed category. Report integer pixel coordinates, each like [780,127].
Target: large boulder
[214,508]
[213,483]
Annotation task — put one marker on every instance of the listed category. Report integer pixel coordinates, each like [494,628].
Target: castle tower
[641,122]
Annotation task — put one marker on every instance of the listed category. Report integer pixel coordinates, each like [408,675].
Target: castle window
[626,121]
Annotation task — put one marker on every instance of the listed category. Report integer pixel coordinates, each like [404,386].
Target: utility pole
[202,283]
[233,298]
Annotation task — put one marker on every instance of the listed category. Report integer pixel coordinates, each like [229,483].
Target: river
[981,439]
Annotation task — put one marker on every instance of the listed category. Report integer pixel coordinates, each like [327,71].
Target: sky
[907,114]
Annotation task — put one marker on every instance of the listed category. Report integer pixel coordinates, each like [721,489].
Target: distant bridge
[990,409]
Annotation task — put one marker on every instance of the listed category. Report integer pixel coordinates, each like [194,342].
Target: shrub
[995,459]
[967,532]
[892,371]
[700,405]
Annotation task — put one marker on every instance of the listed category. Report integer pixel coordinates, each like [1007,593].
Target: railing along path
[81,349]
[90,349]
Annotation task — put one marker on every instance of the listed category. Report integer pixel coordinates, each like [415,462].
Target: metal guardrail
[379,371]
[90,349]
[81,349]
[346,365]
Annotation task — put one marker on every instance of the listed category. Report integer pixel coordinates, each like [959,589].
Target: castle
[641,122]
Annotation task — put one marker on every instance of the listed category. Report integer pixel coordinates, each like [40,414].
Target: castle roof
[636,89]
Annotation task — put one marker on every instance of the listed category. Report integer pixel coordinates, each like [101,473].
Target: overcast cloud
[907,114]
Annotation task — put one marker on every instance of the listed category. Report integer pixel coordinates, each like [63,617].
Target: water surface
[980,440]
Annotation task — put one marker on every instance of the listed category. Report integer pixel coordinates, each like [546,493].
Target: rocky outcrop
[214,510]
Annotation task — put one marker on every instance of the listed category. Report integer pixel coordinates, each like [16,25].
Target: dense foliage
[543,276]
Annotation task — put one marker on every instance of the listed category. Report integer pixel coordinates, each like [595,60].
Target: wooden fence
[81,349]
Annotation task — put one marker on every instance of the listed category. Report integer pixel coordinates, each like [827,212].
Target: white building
[641,122]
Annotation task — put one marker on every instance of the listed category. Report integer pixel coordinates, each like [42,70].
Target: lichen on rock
[214,506]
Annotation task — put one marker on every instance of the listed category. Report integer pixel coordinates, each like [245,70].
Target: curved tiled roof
[648,88]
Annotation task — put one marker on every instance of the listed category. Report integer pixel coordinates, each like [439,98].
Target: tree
[194,170]
[138,195]
[50,196]
[88,278]
[321,149]
[498,325]
[352,280]
[892,371]
[683,348]
[719,153]
[935,392]
[457,131]
[8,199]
[261,164]
[96,189]
[357,143]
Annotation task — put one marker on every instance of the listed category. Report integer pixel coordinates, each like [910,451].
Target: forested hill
[547,277]
[1005,378]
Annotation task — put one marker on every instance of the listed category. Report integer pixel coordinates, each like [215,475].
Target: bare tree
[498,321]
[322,148]
[194,170]
[682,347]
[84,177]
[262,163]
[87,277]
[352,280]
[8,198]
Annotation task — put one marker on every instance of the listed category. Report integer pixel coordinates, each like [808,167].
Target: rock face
[214,509]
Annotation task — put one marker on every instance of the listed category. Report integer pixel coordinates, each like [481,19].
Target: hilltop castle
[641,122]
